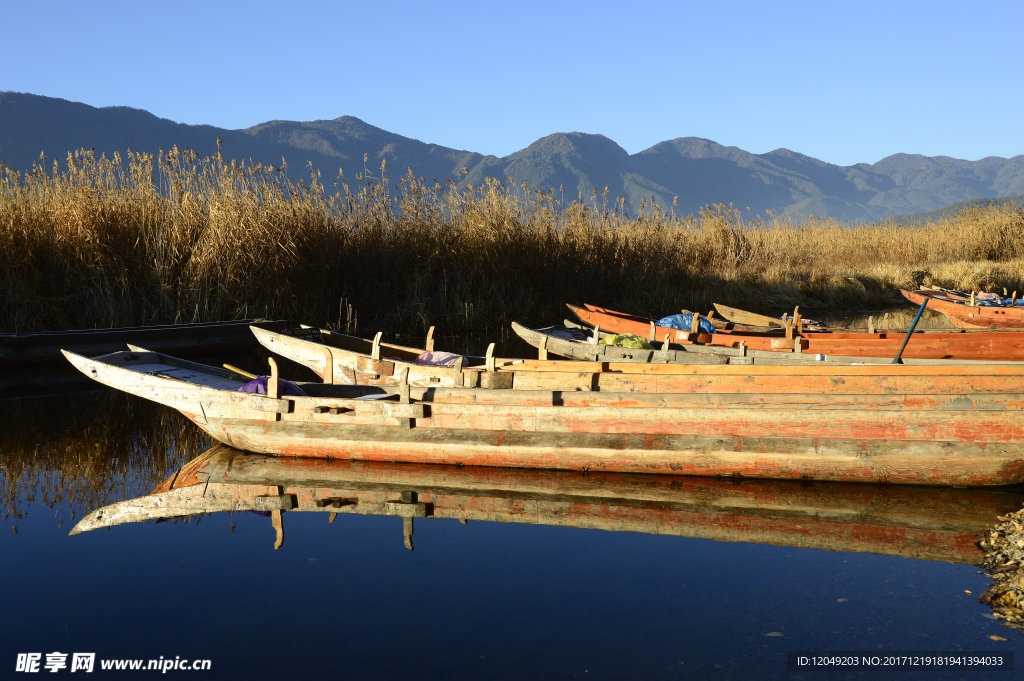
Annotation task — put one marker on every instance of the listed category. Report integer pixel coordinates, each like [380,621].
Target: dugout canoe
[553,341]
[996,346]
[752,319]
[340,358]
[337,359]
[894,424]
[932,523]
[964,314]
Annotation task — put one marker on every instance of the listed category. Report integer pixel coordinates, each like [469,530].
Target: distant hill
[697,171]
[954,208]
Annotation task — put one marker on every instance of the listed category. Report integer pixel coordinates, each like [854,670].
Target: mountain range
[689,171]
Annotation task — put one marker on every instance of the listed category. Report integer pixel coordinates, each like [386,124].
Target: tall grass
[174,237]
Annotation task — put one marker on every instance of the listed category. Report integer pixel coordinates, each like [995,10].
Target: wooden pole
[898,359]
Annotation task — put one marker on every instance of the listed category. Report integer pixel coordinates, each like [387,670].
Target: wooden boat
[343,359]
[998,346]
[754,321]
[954,425]
[750,319]
[340,358]
[934,523]
[964,313]
[547,343]
[20,350]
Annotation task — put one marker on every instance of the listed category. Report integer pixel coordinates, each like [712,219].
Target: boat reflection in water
[917,522]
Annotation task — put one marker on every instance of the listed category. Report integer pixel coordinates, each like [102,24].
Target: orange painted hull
[998,346]
[968,316]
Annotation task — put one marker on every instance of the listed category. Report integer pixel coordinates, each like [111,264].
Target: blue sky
[845,82]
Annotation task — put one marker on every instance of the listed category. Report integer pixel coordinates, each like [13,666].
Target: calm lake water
[477,600]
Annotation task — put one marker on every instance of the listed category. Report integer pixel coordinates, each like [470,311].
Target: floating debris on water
[1004,548]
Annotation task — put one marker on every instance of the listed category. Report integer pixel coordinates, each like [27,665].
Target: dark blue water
[483,600]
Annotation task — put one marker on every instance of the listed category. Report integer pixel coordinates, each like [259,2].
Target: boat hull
[684,368]
[999,346]
[941,436]
[688,353]
[347,360]
[926,462]
[968,316]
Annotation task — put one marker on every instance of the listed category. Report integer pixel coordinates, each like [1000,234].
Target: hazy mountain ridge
[698,171]
[954,208]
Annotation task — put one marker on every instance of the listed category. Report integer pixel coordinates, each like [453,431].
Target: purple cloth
[438,359]
[259,386]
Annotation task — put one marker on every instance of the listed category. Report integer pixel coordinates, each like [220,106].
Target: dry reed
[174,237]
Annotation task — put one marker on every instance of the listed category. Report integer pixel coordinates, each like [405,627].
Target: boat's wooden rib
[966,315]
[916,522]
[998,346]
[967,430]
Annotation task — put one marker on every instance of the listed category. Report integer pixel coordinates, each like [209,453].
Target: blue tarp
[999,303]
[684,322]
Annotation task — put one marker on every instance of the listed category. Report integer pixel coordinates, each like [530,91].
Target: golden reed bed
[142,239]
